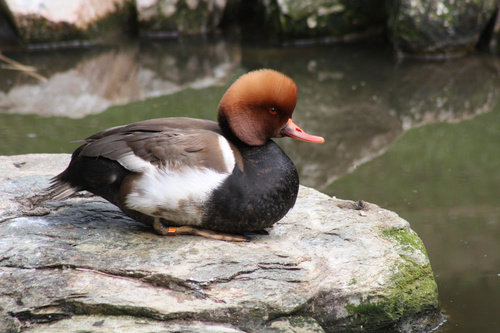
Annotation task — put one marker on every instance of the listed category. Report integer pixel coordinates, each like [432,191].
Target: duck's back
[107,157]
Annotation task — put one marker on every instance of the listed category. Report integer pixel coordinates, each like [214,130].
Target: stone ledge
[338,265]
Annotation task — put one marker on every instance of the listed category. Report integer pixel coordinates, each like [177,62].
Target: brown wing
[159,125]
[160,142]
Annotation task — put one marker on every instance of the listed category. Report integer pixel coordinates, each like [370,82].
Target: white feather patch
[134,163]
[176,195]
[227,153]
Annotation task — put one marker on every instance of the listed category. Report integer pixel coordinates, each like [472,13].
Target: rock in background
[173,17]
[494,42]
[292,21]
[329,265]
[47,21]
[438,27]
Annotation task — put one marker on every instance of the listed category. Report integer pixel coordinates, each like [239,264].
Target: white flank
[174,194]
[227,153]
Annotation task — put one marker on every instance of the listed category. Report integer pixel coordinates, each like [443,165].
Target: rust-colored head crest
[258,105]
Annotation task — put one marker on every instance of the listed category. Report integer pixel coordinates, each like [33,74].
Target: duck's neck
[226,130]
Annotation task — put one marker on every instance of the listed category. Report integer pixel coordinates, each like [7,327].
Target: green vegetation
[414,290]
[405,238]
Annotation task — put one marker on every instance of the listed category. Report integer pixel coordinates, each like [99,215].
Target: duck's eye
[272,110]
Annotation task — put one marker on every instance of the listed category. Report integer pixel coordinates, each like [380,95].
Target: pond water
[419,137]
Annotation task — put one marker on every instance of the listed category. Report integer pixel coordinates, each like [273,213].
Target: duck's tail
[60,189]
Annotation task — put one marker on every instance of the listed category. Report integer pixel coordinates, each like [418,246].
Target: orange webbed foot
[161,229]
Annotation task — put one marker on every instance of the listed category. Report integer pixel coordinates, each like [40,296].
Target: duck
[182,176]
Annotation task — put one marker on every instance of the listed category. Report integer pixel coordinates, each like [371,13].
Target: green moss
[368,313]
[407,238]
[413,292]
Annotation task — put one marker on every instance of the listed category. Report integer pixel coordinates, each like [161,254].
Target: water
[444,179]
[418,137]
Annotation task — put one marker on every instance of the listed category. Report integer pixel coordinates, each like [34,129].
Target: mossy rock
[413,296]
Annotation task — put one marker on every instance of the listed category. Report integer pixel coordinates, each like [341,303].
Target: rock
[47,21]
[8,33]
[22,177]
[494,42]
[96,80]
[329,263]
[299,22]
[9,324]
[159,18]
[438,27]
[299,324]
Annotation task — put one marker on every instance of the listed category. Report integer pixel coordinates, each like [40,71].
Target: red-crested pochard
[192,176]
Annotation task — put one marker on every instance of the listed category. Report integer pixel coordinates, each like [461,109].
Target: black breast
[257,197]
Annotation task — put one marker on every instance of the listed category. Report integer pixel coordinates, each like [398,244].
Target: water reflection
[88,83]
[450,91]
[361,100]
[443,178]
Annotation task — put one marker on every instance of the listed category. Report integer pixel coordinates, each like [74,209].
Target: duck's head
[259,106]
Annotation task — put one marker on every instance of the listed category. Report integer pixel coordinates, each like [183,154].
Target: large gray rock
[334,263]
[45,21]
[438,27]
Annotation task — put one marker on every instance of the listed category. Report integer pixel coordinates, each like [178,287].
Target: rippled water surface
[419,137]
